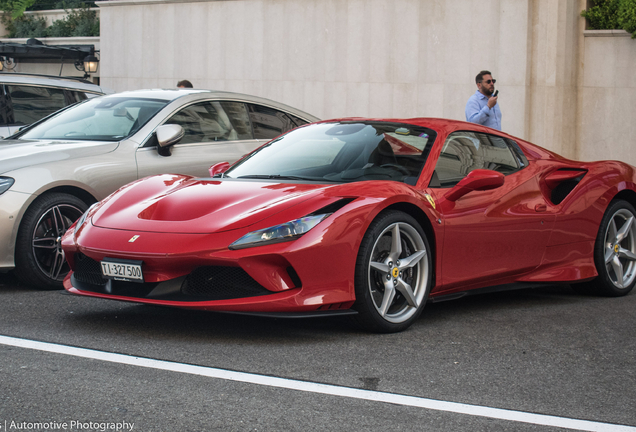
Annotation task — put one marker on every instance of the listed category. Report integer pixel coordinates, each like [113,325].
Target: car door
[215,131]
[492,234]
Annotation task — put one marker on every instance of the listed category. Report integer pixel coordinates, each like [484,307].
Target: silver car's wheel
[615,252]
[393,273]
[40,260]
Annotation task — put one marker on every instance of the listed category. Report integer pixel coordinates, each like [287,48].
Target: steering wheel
[399,168]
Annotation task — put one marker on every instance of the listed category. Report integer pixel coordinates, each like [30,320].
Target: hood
[16,154]
[200,206]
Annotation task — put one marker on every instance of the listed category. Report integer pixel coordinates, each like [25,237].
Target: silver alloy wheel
[46,242]
[398,274]
[620,248]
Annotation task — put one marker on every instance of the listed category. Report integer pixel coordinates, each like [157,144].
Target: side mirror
[219,168]
[169,134]
[476,180]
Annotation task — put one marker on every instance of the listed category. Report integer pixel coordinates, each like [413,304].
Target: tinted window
[33,103]
[208,121]
[268,123]
[467,151]
[74,96]
[238,118]
[297,120]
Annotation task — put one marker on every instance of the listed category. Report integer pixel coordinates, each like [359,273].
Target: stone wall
[607,97]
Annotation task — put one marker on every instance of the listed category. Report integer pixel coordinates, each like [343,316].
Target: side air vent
[562,182]
[334,207]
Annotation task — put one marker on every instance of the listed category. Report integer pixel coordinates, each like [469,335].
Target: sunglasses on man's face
[490,81]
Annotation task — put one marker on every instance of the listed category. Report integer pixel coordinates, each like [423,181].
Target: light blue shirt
[477,111]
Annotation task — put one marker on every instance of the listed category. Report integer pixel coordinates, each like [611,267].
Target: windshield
[342,152]
[98,119]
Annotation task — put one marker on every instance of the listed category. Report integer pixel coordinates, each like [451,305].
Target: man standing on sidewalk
[482,107]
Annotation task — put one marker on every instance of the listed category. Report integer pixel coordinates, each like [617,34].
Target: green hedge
[80,21]
[612,14]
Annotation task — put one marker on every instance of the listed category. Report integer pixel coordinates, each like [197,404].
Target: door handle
[540,208]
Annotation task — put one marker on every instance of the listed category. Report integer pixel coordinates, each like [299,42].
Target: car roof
[192,95]
[438,124]
[75,83]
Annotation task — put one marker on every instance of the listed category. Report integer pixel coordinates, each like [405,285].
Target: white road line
[327,389]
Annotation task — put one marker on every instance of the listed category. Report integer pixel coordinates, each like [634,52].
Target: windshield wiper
[277,177]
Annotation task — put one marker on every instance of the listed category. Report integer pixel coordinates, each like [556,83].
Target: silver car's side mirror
[169,134]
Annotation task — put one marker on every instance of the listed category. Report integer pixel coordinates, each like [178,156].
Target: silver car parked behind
[52,171]
[27,98]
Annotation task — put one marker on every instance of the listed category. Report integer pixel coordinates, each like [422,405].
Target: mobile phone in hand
[496,93]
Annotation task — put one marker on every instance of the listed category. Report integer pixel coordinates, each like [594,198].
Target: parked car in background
[52,171]
[25,98]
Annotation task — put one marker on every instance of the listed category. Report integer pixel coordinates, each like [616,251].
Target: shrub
[612,14]
[78,22]
[627,16]
[28,27]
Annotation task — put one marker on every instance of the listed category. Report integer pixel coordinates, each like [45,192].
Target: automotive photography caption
[318,215]
[72,425]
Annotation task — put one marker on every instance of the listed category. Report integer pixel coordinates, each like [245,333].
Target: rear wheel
[393,273]
[614,253]
[39,257]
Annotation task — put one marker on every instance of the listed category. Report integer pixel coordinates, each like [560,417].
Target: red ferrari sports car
[366,217]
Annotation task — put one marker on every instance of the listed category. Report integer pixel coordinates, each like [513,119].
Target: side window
[33,103]
[239,119]
[268,123]
[73,96]
[5,108]
[297,120]
[204,122]
[467,151]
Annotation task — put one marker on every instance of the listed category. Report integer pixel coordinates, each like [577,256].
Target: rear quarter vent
[561,183]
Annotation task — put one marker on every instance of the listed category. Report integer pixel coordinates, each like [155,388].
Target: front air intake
[221,283]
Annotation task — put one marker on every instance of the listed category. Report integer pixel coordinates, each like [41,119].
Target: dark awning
[36,50]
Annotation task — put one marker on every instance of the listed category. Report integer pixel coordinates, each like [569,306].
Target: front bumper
[12,206]
[312,273]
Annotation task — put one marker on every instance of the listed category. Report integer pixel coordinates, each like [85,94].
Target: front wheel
[614,253]
[393,273]
[39,257]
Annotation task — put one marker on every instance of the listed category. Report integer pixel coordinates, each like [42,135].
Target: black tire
[392,283]
[614,253]
[39,258]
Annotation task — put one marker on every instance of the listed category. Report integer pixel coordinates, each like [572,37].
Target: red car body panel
[510,234]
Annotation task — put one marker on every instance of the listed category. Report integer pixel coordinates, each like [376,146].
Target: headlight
[279,233]
[5,184]
[82,219]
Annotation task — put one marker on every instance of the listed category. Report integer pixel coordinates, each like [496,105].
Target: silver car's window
[342,152]
[98,119]
[238,117]
[268,123]
[30,104]
[208,121]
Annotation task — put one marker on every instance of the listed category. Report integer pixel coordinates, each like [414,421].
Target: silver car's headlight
[279,233]
[82,219]
[5,184]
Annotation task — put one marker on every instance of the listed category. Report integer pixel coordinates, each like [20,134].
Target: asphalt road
[546,351]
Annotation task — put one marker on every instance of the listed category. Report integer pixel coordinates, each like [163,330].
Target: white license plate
[122,270]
